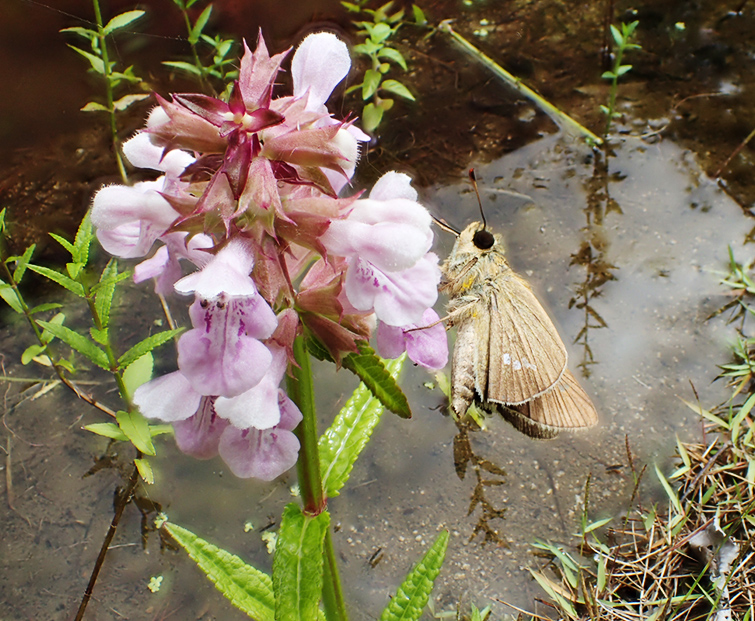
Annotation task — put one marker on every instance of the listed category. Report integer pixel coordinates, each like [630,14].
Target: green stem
[332,594]
[109,91]
[301,391]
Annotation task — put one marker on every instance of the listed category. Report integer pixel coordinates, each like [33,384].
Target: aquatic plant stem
[560,118]
[109,91]
[123,499]
[301,391]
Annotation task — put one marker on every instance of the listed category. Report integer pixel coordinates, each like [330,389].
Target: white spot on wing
[506,359]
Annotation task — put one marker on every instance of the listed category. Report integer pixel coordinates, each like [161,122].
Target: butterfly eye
[483,240]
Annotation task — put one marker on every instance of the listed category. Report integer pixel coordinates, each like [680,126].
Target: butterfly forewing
[525,355]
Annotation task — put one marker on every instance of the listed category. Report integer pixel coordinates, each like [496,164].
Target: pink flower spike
[199,435]
[258,406]
[427,346]
[222,355]
[257,73]
[129,219]
[169,398]
[321,61]
[263,454]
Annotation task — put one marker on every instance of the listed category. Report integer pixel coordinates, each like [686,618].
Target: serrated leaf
[108,430]
[121,21]
[128,100]
[93,106]
[145,471]
[371,370]
[22,263]
[138,372]
[136,428]
[371,117]
[199,25]
[83,240]
[94,61]
[394,55]
[61,279]
[298,564]
[395,87]
[10,297]
[103,297]
[371,83]
[244,586]
[146,346]
[100,337]
[78,342]
[344,440]
[411,597]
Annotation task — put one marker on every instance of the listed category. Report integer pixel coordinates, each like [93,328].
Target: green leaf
[411,598]
[108,430]
[345,439]
[394,55]
[82,32]
[95,61]
[371,117]
[93,106]
[380,32]
[83,240]
[145,471]
[147,345]
[199,25]
[22,263]
[31,352]
[138,372]
[622,70]
[368,48]
[395,87]
[617,36]
[182,66]
[103,298]
[136,428]
[64,281]
[419,16]
[741,415]
[371,83]
[78,342]
[351,7]
[371,370]
[297,567]
[10,296]
[121,21]
[244,586]
[127,100]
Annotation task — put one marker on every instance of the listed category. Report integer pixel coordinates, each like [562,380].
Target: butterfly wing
[565,406]
[524,356]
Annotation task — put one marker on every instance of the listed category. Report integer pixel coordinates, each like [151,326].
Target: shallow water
[664,240]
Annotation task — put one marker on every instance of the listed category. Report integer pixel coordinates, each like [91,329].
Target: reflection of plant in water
[463,456]
[591,256]
[221,64]
[99,59]
[622,40]
[376,34]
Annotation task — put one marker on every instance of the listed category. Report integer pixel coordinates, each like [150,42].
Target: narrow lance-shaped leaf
[199,25]
[395,87]
[411,598]
[370,369]
[78,342]
[83,241]
[244,586]
[64,281]
[345,439]
[121,21]
[298,564]
[9,295]
[95,61]
[103,298]
[22,263]
[147,345]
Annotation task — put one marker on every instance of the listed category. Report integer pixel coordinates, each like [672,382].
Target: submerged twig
[560,118]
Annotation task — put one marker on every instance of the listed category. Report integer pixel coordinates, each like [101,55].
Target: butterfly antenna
[446,226]
[473,179]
